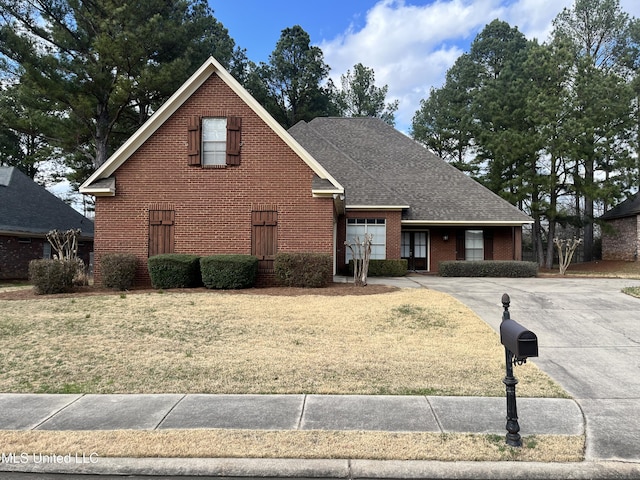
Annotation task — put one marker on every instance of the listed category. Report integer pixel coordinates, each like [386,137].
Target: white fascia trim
[98,192]
[493,223]
[187,89]
[377,207]
[326,193]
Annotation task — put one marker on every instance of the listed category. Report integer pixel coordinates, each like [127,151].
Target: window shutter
[193,141]
[488,245]
[460,246]
[264,238]
[161,231]
[234,125]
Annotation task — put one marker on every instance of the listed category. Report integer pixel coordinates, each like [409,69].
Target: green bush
[173,270]
[307,270]
[488,268]
[52,276]
[384,268]
[118,270]
[229,271]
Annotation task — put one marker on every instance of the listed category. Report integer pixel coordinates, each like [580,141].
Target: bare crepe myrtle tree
[361,253]
[566,249]
[65,245]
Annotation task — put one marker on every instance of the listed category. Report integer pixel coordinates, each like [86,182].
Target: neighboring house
[211,172]
[27,213]
[621,232]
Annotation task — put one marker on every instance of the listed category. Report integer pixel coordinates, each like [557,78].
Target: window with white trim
[214,141]
[474,245]
[358,227]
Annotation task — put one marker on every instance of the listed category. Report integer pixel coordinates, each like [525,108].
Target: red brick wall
[507,243]
[621,243]
[212,205]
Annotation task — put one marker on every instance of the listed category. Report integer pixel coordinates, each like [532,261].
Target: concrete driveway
[589,342]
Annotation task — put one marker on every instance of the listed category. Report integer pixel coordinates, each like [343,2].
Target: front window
[214,141]
[358,227]
[474,245]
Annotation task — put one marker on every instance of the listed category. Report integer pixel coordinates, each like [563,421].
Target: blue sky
[410,44]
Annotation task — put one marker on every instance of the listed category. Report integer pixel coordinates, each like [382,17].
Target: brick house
[621,233]
[212,172]
[27,213]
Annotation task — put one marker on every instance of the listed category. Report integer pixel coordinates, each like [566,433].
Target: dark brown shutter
[488,245]
[460,246]
[264,238]
[161,225]
[193,141]
[234,126]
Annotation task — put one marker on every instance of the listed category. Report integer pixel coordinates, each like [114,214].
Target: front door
[414,249]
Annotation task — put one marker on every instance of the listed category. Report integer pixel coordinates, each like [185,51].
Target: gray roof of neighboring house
[380,166]
[28,208]
[630,207]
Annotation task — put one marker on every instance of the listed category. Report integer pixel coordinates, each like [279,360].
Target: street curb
[327,468]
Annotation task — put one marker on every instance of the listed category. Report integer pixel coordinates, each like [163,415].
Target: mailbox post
[519,344]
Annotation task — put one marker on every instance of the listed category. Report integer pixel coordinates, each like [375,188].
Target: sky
[410,44]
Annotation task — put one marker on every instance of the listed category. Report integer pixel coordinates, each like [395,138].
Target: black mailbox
[523,343]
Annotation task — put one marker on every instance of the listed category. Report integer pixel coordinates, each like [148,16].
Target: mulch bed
[333,289]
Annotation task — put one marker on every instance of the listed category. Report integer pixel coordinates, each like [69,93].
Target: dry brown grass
[408,341]
[294,444]
[413,341]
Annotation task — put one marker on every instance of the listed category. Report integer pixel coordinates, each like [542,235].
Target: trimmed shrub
[307,270]
[488,268]
[52,276]
[118,270]
[385,268]
[174,270]
[229,271]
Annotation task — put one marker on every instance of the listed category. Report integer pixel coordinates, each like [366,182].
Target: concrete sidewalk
[286,412]
[23,412]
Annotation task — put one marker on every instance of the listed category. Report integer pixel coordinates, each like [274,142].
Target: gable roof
[99,182]
[27,208]
[630,207]
[381,167]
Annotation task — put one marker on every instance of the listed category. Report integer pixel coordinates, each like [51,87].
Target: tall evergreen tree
[290,85]
[599,33]
[359,96]
[26,123]
[444,122]
[107,64]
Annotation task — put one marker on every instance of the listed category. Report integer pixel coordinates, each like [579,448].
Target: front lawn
[413,341]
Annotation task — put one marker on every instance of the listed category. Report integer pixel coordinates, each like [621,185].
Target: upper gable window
[214,141]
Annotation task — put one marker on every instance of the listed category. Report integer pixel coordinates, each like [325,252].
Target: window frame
[473,252]
[216,157]
[379,240]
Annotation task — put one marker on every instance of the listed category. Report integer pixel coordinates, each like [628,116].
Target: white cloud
[410,47]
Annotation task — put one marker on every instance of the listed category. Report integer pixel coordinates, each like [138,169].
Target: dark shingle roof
[28,208]
[378,165]
[630,207]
